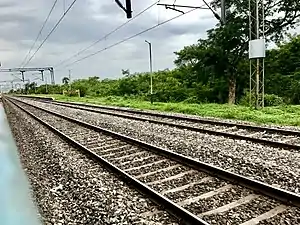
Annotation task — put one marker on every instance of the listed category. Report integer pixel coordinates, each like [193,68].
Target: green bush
[83,89]
[72,93]
[245,100]
[191,100]
[270,100]
[273,100]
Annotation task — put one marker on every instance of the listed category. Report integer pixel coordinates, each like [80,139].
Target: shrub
[270,100]
[191,100]
[273,100]
[245,100]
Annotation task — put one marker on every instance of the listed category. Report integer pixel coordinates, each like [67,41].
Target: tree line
[215,69]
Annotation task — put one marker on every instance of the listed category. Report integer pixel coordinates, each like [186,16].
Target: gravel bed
[187,179]
[246,214]
[271,165]
[164,174]
[196,190]
[289,217]
[70,188]
[227,129]
[132,158]
[218,200]
[120,154]
[152,168]
[141,162]
[243,213]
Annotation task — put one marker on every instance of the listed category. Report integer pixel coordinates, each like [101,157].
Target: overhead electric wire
[40,32]
[53,29]
[131,37]
[107,35]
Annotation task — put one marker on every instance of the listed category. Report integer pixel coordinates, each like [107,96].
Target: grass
[279,115]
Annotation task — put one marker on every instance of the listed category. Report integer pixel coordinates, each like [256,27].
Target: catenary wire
[53,29]
[40,32]
[107,35]
[129,38]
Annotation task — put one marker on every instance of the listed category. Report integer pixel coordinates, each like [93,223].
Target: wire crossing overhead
[129,38]
[40,32]
[221,18]
[107,35]
[53,29]
[23,70]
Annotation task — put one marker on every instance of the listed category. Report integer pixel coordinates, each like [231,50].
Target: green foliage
[273,100]
[214,70]
[66,80]
[223,55]
[81,87]
[245,100]
[269,100]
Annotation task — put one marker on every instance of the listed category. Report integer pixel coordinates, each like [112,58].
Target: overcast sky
[88,21]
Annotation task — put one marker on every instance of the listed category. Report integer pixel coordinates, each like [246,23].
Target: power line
[40,32]
[131,37]
[53,29]
[107,35]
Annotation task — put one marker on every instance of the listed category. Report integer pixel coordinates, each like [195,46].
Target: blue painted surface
[16,207]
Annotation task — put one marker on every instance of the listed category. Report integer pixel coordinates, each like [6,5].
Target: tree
[126,73]
[225,50]
[66,80]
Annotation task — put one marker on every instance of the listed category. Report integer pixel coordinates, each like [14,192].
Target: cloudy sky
[88,21]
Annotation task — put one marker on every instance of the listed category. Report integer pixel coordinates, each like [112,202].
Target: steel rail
[198,120]
[183,215]
[258,186]
[36,97]
[197,129]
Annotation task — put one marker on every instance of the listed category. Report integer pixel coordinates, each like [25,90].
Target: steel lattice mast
[257,52]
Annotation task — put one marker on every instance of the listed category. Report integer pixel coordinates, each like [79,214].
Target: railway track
[276,137]
[195,192]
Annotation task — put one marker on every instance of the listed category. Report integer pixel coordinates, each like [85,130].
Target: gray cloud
[88,21]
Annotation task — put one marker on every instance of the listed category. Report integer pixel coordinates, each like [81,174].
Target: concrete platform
[16,207]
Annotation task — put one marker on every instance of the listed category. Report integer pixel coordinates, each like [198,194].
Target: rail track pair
[194,192]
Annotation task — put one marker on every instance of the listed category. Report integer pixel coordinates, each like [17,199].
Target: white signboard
[257,49]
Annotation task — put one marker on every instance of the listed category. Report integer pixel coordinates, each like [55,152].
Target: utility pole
[151,71]
[70,80]
[46,85]
[257,52]
[223,12]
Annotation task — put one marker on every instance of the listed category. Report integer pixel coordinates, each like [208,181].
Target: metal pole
[151,71]
[22,72]
[223,12]
[42,73]
[70,80]
[46,85]
[250,62]
[263,60]
[258,61]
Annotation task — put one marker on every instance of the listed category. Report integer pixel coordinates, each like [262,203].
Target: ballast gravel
[70,188]
[274,166]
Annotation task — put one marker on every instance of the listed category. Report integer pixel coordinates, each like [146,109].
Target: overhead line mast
[221,18]
[126,9]
[257,52]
